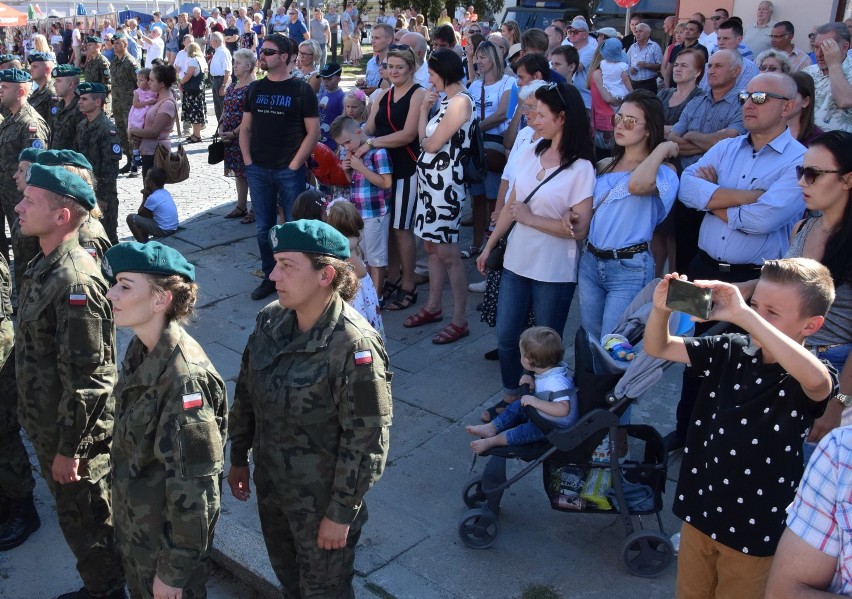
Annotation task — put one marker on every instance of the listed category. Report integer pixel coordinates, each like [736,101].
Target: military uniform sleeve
[241,425]
[365,413]
[86,366]
[34,135]
[190,445]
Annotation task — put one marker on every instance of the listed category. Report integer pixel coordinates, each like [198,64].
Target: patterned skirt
[194,108]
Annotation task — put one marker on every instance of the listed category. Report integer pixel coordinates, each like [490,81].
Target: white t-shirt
[153,51]
[162,204]
[555,258]
[180,63]
[522,140]
[493,93]
[75,37]
[421,76]
[611,74]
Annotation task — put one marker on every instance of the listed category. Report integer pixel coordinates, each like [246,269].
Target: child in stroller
[555,395]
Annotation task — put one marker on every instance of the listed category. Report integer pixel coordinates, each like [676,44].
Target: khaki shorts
[347,44]
[374,241]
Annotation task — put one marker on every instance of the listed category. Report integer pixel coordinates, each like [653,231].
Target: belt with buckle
[727,267]
[620,254]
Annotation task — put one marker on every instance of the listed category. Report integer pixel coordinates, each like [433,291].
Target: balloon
[326,167]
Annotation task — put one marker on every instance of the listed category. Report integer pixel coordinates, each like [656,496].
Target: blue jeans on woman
[607,287]
[550,303]
[271,188]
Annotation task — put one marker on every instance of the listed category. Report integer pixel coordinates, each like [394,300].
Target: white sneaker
[477,287]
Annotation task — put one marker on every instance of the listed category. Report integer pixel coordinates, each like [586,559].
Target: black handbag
[494,261]
[216,150]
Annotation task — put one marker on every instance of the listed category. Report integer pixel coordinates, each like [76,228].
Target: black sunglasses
[270,52]
[759,97]
[399,47]
[555,86]
[810,174]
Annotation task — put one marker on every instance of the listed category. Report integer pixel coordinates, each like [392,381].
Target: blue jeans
[608,286]
[271,188]
[519,430]
[550,303]
[836,356]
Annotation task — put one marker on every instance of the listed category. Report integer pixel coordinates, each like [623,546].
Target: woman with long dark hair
[556,184]
[635,190]
[801,120]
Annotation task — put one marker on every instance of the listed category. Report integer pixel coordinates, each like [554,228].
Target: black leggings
[147,163]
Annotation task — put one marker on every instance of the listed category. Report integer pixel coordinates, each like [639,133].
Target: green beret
[93,39]
[41,57]
[118,35]
[4,58]
[58,180]
[29,154]
[151,258]
[14,76]
[90,88]
[310,237]
[63,157]
[66,70]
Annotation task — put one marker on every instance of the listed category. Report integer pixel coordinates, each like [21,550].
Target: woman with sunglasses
[392,124]
[306,64]
[636,188]
[554,180]
[801,119]
[491,94]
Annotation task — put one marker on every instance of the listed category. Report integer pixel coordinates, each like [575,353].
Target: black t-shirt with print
[278,112]
[743,456]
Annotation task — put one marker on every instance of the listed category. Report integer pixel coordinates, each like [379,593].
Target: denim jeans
[550,303]
[271,188]
[519,430]
[836,356]
[608,286]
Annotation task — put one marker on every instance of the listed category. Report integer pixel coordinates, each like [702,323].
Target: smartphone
[686,297]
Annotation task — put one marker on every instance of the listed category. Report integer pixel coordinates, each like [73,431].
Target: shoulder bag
[176,164]
[495,153]
[495,258]
[473,160]
[216,150]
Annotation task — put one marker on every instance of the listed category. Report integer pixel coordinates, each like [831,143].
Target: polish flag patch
[193,400]
[77,299]
[92,252]
[363,357]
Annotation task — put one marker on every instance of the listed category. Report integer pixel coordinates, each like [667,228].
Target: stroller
[570,455]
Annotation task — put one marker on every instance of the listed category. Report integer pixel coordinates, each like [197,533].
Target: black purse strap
[561,168]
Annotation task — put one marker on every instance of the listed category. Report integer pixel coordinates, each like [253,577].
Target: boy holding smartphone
[760,393]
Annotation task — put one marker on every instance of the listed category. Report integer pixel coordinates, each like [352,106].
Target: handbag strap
[561,168]
[389,97]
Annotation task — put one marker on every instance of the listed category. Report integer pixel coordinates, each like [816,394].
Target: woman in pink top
[160,118]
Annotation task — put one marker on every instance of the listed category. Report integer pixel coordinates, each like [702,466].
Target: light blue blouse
[622,219]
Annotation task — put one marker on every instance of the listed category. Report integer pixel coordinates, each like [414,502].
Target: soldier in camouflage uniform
[65,364]
[24,128]
[97,140]
[9,61]
[170,427]
[123,75]
[64,114]
[19,516]
[41,67]
[96,69]
[313,400]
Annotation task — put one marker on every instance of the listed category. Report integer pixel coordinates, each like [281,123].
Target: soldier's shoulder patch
[92,252]
[37,144]
[116,148]
[192,400]
[77,299]
[32,128]
[54,110]
[112,132]
[106,71]
[363,357]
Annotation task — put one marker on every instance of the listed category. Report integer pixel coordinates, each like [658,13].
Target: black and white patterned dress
[440,183]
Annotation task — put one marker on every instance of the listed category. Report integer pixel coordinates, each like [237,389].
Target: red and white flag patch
[92,252]
[193,400]
[363,357]
[77,299]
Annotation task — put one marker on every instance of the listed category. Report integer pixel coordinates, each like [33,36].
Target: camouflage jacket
[65,355]
[7,326]
[315,407]
[168,454]
[41,100]
[63,123]
[98,142]
[24,129]
[123,76]
[94,239]
[97,70]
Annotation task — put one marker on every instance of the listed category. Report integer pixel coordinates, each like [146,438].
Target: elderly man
[728,37]
[153,45]
[781,37]
[418,45]
[757,35]
[382,38]
[221,67]
[107,28]
[41,68]
[215,19]
[645,58]
[278,22]
[198,24]
[131,31]
[832,75]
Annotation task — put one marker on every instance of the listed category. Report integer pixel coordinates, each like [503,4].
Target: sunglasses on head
[628,122]
[759,97]
[810,174]
[269,52]
[555,86]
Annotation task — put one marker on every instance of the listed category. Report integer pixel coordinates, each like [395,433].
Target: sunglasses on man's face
[716,18]
[759,97]
[810,174]
[269,52]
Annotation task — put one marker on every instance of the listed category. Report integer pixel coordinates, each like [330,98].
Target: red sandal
[422,317]
[450,334]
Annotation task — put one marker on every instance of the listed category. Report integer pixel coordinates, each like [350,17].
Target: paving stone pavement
[410,547]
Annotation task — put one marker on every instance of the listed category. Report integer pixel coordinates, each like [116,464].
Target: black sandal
[492,411]
[403,301]
[388,289]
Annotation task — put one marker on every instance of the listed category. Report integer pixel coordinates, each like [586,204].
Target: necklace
[541,173]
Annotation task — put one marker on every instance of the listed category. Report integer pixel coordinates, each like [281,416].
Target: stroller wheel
[479,528]
[647,553]
[473,495]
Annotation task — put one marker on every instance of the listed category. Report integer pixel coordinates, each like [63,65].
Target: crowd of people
[592,164]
